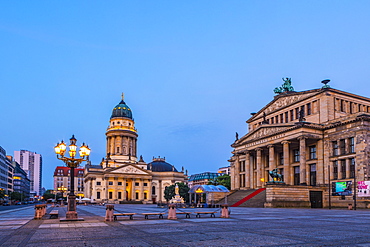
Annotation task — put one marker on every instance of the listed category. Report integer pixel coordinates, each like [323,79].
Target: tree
[169,191]
[224,180]
[16,196]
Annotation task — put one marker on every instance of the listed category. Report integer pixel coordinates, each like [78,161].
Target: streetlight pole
[72,163]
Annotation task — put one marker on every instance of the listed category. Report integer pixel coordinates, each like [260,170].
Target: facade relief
[262,132]
[284,102]
[128,169]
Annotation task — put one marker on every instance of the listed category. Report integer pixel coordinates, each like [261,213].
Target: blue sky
[192,71]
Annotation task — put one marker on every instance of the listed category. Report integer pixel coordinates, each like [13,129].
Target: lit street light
[72,163]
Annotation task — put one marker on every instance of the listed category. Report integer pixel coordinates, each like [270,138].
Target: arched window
[153,190]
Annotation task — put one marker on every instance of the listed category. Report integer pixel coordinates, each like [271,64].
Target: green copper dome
[122,110]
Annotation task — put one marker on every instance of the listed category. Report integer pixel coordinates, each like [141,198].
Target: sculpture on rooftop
[286,87]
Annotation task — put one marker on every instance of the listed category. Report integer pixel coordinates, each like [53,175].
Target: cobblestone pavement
[245,227]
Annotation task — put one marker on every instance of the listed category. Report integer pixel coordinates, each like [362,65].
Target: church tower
[121,134]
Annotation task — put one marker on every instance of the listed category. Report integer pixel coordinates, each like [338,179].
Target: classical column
[121,145]
[237,173]
[302,160]
[160,190]
[247,170]
[133,192]
[272,162]
[259,167]
[106,188]
[320,179]
[141,197]
[287,169]
[112,152]
[124,189]
[348,168]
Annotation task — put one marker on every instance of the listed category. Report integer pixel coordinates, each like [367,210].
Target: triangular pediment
[283,101]
[128,169]
[263,132]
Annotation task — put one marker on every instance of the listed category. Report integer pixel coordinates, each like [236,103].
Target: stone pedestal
[172,212]
[225,211]
[109,211]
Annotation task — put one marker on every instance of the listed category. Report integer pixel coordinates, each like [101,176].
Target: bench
[187,214]
[200,213]
[54,213]
[146,215]
[123,214]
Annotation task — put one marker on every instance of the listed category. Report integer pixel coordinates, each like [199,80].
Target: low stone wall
[287,196]
[299,196]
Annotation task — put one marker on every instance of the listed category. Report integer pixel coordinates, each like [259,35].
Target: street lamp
[72,163]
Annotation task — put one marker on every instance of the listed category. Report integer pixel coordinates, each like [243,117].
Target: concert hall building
[318,140]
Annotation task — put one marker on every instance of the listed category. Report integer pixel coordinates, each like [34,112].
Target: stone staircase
[253,198]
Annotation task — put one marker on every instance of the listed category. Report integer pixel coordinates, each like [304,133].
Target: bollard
[172,212]
[224,211]
[109,213]
[38,212]
[43,209]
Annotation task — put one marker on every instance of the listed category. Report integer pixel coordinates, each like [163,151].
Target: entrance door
[316,199]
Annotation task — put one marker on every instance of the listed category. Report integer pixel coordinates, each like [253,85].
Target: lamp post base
[71,214]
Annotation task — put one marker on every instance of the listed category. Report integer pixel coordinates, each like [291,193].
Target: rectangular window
[352,168]
[98,183]
[313,174]
[297,113]
[335,148]
[110,194]
[242,166]
[281,160]
[136,184]
[119,183]
[291,115]
[286,117]
[137,195]
[342,146]
[296,175]
[343,168]
[308,109]
[312,152]
[119,195]
[145,184]
[342,105]
[296,155]
[335,170]
[351,145]
[110,182]
[98,195]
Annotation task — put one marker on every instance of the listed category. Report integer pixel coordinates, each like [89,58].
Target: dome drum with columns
[120,176]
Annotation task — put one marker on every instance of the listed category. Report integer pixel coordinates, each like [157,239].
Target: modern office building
[21,182]
[31,162]
[308,140]
[62,179]
[121,176]
[6,172]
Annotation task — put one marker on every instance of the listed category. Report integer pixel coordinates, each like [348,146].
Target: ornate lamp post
[72,163]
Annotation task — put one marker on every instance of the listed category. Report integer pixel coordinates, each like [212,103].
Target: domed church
[121,176]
